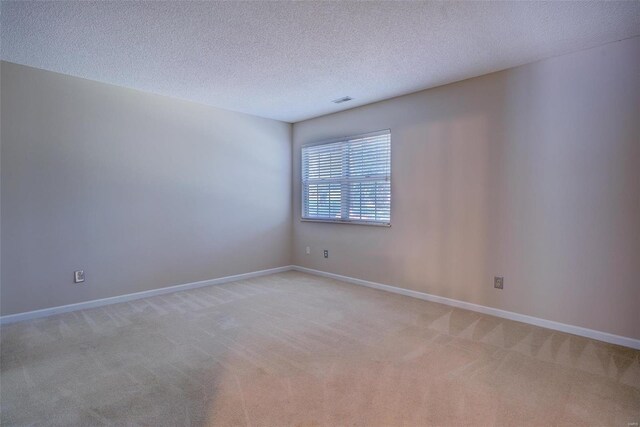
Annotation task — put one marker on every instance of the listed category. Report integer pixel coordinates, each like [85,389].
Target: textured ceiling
[287,61]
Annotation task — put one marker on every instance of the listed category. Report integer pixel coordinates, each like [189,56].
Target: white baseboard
[549,324]
[11,318]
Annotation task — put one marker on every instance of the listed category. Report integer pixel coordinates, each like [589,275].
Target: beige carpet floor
[294,349]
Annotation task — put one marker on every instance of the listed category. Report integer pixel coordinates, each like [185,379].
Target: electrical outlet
[326,253]
[78,276]
[308,250]
[498,282]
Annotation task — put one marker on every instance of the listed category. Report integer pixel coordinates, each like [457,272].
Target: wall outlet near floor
[498,282]
[78,276]
[308,250]
[326,253]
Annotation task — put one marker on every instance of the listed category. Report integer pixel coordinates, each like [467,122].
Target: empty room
[320,213]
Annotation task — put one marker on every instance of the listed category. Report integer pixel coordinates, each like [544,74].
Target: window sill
[334,221]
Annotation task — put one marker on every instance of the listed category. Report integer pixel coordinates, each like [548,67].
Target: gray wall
[532,173]
[140,191]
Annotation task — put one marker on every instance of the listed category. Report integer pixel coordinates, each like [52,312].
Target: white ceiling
[288,60]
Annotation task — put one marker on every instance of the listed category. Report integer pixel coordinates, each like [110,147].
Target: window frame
[341,220]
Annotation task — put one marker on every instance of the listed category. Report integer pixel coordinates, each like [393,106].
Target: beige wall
[532,173]
[140,191]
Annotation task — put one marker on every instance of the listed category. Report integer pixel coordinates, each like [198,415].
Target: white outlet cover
[78,276]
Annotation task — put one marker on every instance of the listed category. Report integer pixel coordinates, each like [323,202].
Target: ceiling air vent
[341,100]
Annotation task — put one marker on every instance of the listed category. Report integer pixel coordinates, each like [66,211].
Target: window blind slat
[348,180]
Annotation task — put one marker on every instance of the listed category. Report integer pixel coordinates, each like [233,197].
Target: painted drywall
[141,191]
[531,173]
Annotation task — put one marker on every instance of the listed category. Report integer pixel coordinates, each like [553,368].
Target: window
[348,180]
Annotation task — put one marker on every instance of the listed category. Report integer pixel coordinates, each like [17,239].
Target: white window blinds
[348,180]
